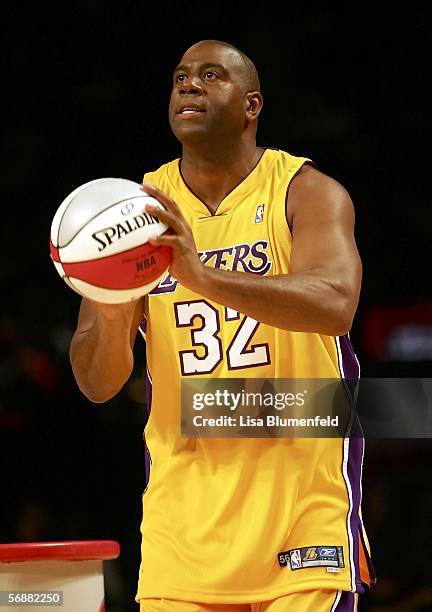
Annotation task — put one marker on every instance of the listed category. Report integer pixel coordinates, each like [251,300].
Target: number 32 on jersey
[241,352]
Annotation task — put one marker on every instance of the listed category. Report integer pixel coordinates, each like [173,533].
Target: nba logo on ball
[100,241]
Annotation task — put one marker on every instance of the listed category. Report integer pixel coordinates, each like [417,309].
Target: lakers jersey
[219,514]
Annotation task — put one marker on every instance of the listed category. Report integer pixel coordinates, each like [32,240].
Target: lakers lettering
[239,257]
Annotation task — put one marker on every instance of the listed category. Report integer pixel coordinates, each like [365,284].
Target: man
[264,283]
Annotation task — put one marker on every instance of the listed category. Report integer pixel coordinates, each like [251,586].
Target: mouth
[188,111]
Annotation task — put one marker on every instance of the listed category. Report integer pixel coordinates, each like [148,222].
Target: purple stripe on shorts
[350,371]
[355,460]
[349,359]
[351,368]
[346,603]
[355,456]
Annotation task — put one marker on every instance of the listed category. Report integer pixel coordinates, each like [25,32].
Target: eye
[210,75]
[180,78]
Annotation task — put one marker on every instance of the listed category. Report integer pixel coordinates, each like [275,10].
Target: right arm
[101,350]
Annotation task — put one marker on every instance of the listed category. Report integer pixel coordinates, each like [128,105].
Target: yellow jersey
[237,520]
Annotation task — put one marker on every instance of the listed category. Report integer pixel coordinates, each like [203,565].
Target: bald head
[245,66]
[215,99]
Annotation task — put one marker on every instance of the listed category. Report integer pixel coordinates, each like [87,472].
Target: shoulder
[152,176]
[313,192]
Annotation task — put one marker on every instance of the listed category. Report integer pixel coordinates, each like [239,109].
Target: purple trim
[346,602]
[249,351]
[147,456]
[306,163]
[350,372]
[149,392]
[147,462]
[354,467]
[213,212]
[351,368]
[211,216]
[189,323]
[190,189]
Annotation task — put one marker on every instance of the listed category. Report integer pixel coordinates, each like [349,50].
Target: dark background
[85,93]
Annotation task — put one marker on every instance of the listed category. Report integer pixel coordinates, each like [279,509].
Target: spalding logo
[127,209]
[108,235]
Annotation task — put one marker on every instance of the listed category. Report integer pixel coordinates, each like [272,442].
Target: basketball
[99,241]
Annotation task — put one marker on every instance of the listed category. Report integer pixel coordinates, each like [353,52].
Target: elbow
[344,304]
[342,319]
[339,328]
[334,328]
[94,388]
[98,395]
[95,396]
[332,307]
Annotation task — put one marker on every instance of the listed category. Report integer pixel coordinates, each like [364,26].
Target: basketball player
[264,283]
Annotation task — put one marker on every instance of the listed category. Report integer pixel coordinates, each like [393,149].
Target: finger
[164,240]
[164,215]
[161,196]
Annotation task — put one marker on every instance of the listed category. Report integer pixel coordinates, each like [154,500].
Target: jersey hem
[235,597]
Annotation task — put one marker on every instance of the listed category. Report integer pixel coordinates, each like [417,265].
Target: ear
[254,104]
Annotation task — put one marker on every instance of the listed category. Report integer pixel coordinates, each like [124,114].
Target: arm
[101,348]
[321,293]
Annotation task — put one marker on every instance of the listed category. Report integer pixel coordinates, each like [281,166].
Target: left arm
[321,292]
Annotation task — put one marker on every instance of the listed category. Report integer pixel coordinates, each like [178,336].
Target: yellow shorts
[306,601]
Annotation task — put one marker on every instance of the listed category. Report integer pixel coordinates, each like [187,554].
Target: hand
[186,266]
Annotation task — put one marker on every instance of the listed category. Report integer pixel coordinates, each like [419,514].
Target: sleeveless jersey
[217,511]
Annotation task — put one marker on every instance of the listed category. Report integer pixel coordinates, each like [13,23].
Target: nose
[191,85]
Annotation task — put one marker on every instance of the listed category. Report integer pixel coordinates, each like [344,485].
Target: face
[208,99]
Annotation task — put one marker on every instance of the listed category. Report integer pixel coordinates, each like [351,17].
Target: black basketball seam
[78,190]
[94,217]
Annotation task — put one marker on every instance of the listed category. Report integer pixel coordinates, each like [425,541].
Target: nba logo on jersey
[296,562]
[259,213]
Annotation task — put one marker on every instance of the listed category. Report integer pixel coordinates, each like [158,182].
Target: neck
[214,175]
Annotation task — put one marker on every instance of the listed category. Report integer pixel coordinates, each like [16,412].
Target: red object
[126,270]
[60,551]
[379,322]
